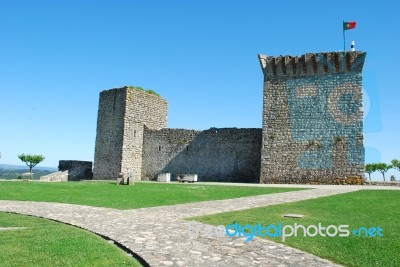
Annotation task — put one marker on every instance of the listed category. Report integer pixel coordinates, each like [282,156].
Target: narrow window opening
[115,100]
[159,148]
[134,133]
[187,148]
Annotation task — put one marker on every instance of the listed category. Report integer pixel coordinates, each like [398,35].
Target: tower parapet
[312,64]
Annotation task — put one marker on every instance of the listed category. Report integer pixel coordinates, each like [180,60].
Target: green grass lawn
[139,195]
[378,208]
[47,243]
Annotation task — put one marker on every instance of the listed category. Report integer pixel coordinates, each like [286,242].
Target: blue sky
[56,56]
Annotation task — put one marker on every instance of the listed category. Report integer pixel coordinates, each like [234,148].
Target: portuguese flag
[349,25]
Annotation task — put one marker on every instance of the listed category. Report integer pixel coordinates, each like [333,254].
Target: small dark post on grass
[31,161]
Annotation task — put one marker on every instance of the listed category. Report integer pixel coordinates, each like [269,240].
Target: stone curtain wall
[225,155]
[123,114]
[160,147]
[312,118]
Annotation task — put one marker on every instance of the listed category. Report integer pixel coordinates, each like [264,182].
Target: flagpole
[344,38]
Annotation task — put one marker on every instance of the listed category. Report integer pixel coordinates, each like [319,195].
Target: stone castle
[312,129]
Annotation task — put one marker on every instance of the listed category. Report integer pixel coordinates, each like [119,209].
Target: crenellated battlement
[312,64]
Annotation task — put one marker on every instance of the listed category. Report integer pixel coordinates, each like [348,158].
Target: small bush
[152,92]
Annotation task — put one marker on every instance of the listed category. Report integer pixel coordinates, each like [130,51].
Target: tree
[383,168]
[31,161]
[370,168]
[396,164]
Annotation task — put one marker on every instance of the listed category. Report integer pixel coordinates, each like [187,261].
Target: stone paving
[159,235]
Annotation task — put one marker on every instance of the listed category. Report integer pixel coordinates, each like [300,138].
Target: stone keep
[123,115]
[312,117]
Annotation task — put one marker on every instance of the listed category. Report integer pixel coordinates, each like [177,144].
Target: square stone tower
[312,117]
[123,114]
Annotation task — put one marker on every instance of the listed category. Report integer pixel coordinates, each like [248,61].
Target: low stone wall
[77,170]
[396,183]
[60,176]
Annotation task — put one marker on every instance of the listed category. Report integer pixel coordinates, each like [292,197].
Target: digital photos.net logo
[280,230]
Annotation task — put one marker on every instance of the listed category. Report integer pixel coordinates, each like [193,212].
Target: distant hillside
[18,167]
[14,174]
[14,171]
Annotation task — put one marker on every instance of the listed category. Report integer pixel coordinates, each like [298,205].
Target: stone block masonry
[312,129]
[70,170]
[60,176]
[132,139]
[77,169]
[110,133]
[122,117]
[217,154]
[312,118]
